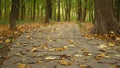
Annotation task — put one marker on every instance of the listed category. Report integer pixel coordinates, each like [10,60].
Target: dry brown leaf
[70,41]
[1,41]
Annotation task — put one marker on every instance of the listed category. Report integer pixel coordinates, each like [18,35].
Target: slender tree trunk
[14,15]
[63,12]
[54,11]
[58,10]
[118,10]
[66,10]
[38,11]
[48,11]
[79,10]
[0,10]
[34,8]
[31,12]
[85,11]
[69,10]
[22,9]
[5,10]
[105,21]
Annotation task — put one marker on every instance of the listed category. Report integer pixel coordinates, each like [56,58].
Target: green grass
[3,22]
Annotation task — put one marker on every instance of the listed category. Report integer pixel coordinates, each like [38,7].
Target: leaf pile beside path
[86,29]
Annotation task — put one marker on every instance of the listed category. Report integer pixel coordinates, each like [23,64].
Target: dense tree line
[105,14]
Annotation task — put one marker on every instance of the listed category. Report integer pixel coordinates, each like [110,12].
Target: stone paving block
[68,66]
[99,65]
[35,65]
[32,60]
[110,61]
[9,66]
[12,60]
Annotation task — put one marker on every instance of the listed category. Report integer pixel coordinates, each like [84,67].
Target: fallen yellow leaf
[117,38]
[102,46]
[7,41]
[44,47]
[83,66]
[111,44]
[70,41]
[33,50]
[63,62]
[60,49]
[20,65]
[50,57]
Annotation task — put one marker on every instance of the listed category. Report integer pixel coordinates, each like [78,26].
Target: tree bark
[105,21]
[48,11]
[14,15]
[85,11]
[0,10]
[22,9]
[69,11]
[79,10]
[58,10]
[118,10]
[34,7]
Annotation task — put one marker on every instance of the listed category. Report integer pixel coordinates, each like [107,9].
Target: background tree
[79,10]
[84,10]
[34,9]
[0,9]
[58,11]
[105,21]
[48,11]
[22,9]
[118,10]
[14,15]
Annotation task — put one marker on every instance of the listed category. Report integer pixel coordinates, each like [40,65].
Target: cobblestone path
[60,46]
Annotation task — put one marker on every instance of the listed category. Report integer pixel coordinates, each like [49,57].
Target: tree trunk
[105,21]
[34,7]
[48,11]
[118,10]
[14,15]
[5,10]
[54,10]
[79,10]
[84,11]
[66,10]
[0,10]
[22,9]
[69,10]
[58,10]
